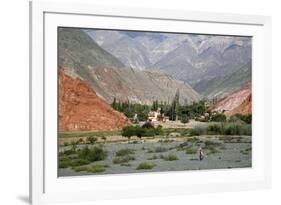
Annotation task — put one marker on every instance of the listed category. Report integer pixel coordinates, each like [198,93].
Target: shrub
[139,132]
[79,162]
[184,119]
[157,150]
[149,132]
[65,144]
[147,125]
[128,131]
[213,150]
[124,152]
[215,129]
[146,165]
[94,154]
[169,157]
[69,152]
[91,139]
[239,117]
[80,141]
[123,159]
[190,150]
[158,130]
[218,117]
[212,143]
[64,162]
[153,157]
[96,168]
[194,132]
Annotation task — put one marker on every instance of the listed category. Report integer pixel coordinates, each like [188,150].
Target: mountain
[125,48]
[211,56]
[81,109]
[239,101]
[196,59]
[221,86]
[81,57]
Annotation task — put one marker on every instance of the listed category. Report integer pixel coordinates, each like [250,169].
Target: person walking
[200,153]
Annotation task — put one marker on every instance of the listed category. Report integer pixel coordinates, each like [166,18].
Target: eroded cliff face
[238,102]
[81,109]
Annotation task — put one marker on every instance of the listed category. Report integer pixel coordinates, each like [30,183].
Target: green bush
[128,132]
[169,157]
[139,132]
[190,150]
[94,154]
[146,165]
[96,168]
[148,125]
[92,139]
[245,118]
[79,162]
[124,152]
[218,117]
[69,152]
[215,129]
[123,159]
[230,128]
[184,119]
[64,162]
[194,132]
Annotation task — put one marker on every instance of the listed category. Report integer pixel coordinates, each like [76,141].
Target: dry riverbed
[167,154]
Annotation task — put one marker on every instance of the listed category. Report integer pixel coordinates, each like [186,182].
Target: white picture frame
[46,187]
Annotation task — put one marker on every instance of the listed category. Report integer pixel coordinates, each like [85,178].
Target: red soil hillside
[81,109]
[238,102]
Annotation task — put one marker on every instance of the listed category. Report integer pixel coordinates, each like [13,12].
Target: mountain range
[80,56]
[203,61]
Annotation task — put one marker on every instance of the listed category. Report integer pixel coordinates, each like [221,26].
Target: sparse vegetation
[124,152]
[153,157]
[96,168]
[157,149]
[146,165]
[190,150]
[169,157]
[123,159]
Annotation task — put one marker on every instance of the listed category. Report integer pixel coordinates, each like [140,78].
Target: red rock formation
[238,102]
[81,109]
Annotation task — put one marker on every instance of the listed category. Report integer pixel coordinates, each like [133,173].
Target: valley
[134,102]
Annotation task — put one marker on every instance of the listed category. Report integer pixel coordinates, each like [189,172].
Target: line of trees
[173,110]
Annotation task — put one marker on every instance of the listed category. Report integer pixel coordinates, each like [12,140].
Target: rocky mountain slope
[81,57]
[221,86]
[81,109]
[239,101]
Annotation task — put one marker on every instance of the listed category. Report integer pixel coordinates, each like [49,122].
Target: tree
[148,125]
[139,131]
[114,104]
[174,106]
[184,119]
[128,132]
[91,139]
[104,138]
